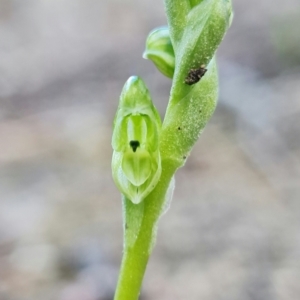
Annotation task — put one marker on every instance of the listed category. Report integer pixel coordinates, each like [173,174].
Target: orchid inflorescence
[147,152]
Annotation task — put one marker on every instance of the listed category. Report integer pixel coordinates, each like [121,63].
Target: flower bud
[159,49]
[136,163]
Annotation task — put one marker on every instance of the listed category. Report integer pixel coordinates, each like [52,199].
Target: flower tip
[136,199]
[132,79]
[145,56]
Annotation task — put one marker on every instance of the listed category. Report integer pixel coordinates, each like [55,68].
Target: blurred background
[233,230]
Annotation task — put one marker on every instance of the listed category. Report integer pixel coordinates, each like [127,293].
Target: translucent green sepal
[160,51]
[136,162]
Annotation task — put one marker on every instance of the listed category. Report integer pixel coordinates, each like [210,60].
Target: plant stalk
[139,235]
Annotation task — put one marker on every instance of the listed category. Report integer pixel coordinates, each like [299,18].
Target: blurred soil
[233,230]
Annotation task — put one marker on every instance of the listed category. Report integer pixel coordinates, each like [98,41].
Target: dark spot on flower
[195,75]
[179,128]
[134,145]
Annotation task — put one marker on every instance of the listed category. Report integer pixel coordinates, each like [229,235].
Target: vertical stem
[133,268]
[139,235]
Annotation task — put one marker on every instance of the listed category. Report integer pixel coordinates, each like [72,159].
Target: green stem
[132,271]
[139,235]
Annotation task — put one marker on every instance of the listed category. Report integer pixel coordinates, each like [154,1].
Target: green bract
[186,119]
[136,163]
[159,49]
[196,28]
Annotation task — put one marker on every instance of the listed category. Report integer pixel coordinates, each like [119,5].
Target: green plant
[147,153]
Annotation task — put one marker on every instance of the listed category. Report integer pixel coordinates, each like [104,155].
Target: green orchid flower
[136,163]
